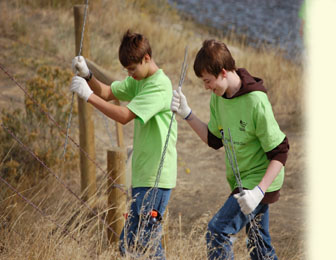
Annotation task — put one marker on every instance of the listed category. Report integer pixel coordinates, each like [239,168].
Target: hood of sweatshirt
[249,84]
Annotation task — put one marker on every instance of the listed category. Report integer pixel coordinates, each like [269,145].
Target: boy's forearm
[100,89]
[272,172]
[199,127]
[118,113]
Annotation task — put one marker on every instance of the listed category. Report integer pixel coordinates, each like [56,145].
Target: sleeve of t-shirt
[148,102]
[267,128]
[123,90]
[213,126]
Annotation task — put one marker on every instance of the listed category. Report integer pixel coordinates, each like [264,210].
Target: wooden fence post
[116,165]
[86,128]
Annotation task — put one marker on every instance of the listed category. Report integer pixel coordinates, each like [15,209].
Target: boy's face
[138,71]
[217,85]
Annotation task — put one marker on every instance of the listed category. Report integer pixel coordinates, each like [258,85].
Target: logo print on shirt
[242,125]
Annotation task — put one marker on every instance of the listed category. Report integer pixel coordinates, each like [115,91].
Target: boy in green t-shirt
[149,92]
[239,103]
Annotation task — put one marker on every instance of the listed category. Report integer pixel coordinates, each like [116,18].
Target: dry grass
[24,233]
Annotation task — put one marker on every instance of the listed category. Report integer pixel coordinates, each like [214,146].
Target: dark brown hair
[212,58]
[133,48]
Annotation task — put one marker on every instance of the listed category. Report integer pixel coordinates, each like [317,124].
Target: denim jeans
[229,220]
[143,236]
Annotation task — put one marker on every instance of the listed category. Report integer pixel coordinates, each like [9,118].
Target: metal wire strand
[37,208]
[254,230]
[151,201]
[184,67]
[236,163]
[228,154]
[58,178]
[68,126]
[73,93]
[158,175]
[82,36]
[105,173]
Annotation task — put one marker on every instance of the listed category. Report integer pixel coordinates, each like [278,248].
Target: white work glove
[80,86]
[179,104]
[80,68]
[250,200]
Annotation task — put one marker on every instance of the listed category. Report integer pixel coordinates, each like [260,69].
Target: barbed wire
[105,173]
[102,115]
[37,208]
[57,177]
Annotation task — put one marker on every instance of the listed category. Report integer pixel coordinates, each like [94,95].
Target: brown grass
[40,34]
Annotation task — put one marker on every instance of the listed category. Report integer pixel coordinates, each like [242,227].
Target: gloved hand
[250,200]
[179,104]
[80,86]
[80,68]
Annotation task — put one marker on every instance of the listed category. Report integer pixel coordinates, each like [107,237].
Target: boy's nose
[207,86]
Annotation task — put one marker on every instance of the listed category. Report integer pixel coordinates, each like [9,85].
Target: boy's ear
[146,58]
[223,73]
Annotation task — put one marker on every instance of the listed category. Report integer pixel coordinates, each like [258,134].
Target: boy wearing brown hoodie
[239,108]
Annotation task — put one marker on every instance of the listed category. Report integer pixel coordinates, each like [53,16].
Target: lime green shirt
[302,11]
[150,100]
[254,131]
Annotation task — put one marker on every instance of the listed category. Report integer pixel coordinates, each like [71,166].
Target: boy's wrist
[261,190]
[188,116]
[89,77]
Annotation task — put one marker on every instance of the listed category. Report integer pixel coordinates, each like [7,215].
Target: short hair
[212,58]
[133,48]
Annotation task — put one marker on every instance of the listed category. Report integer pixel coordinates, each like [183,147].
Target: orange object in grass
[154,213]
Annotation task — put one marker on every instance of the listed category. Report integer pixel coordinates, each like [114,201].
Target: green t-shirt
[302,11]
[150,100]
[254,132]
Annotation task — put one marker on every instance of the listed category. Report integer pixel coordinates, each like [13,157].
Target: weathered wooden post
[86,129]
[116,165]
[120,135]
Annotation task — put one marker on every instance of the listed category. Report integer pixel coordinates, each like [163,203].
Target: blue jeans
[229,220]
[141,234]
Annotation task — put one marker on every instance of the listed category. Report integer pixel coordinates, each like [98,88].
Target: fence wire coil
[254,232]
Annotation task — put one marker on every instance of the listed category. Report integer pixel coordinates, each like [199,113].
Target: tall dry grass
[24,233]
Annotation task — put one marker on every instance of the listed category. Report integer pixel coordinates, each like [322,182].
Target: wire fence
[64,132]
